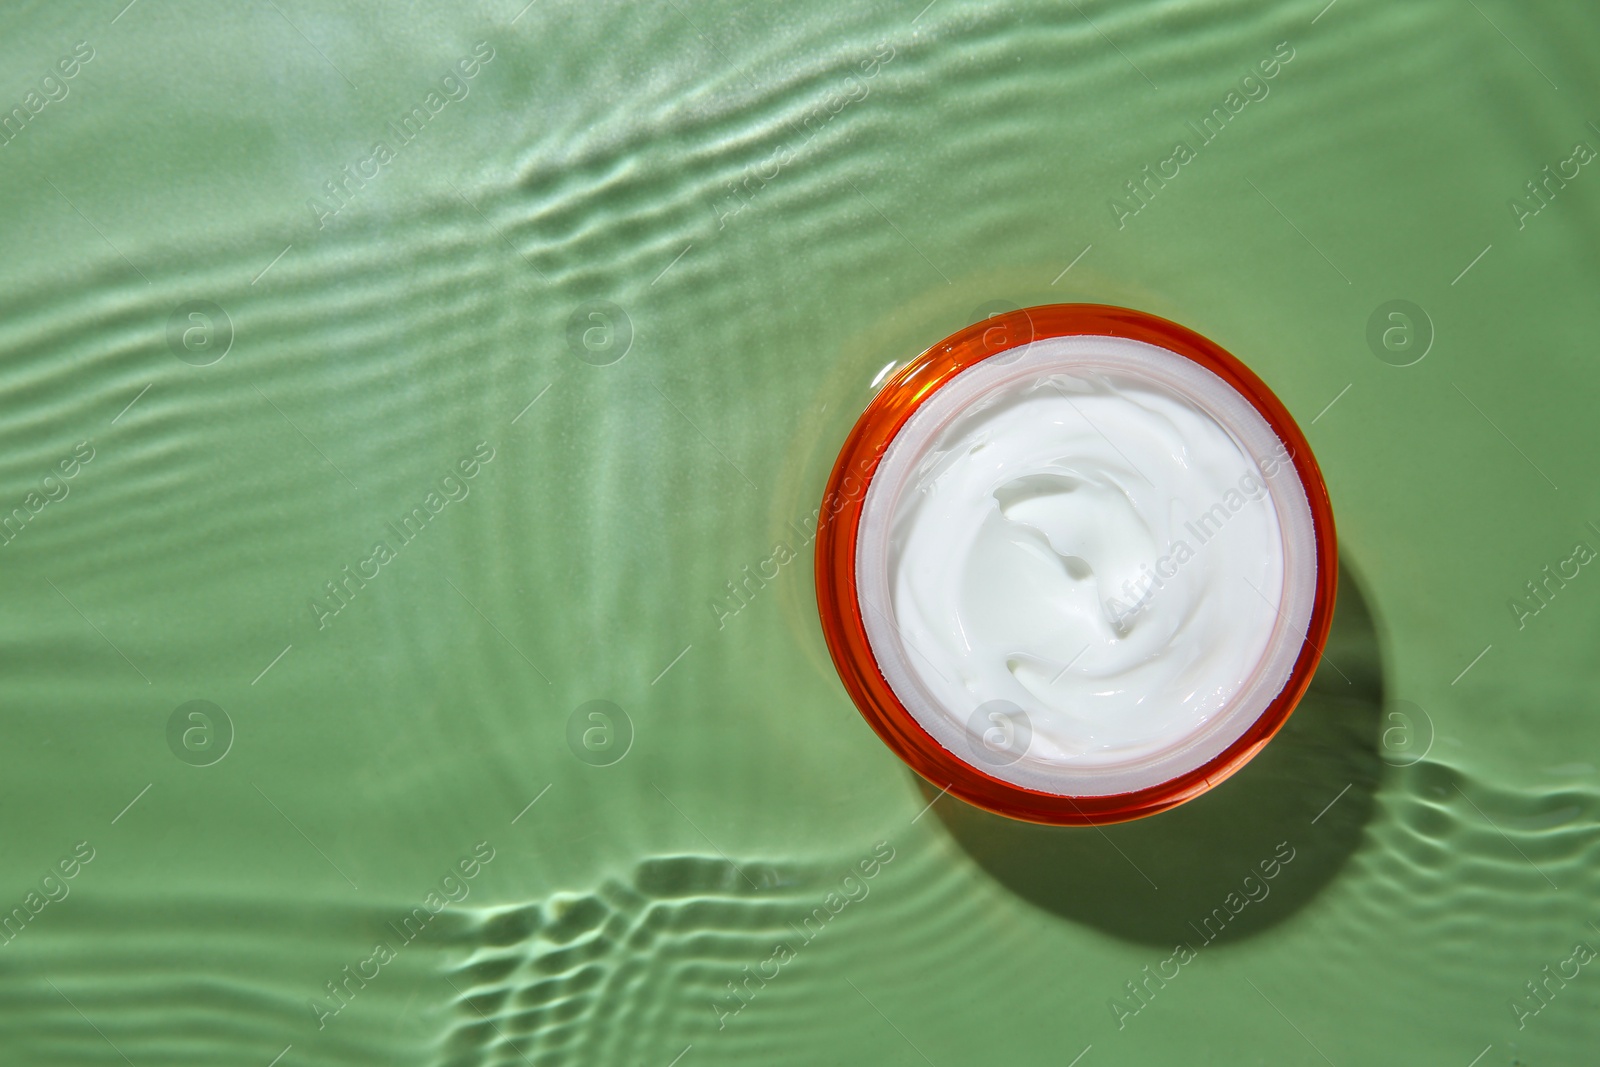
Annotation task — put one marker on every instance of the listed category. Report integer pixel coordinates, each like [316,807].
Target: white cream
[1086,566]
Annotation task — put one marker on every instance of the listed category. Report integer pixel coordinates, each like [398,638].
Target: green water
[770,203]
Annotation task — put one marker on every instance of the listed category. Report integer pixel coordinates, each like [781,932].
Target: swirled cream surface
[1078,557]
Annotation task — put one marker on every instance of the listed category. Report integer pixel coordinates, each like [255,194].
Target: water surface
[763,207]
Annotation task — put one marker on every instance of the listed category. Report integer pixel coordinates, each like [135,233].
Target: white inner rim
[1164,368]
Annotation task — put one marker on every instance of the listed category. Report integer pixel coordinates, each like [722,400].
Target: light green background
[592,160]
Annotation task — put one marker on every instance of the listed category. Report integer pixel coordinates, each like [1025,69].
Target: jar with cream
[1091,571]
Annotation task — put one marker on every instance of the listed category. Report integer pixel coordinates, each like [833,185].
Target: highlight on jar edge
[1091,570]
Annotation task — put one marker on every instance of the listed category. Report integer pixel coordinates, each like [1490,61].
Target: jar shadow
[1216,866]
